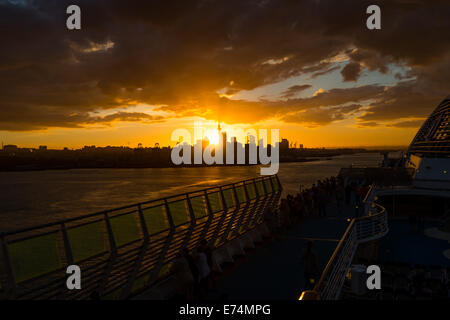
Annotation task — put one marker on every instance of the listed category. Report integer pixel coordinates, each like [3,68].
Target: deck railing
[373,225]
[124,250]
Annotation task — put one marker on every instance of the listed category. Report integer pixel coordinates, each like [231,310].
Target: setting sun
[213,138]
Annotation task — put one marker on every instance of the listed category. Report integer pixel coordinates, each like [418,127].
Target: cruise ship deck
[280,274]
[275,272]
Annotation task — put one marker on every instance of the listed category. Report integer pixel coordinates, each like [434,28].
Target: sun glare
[213,138]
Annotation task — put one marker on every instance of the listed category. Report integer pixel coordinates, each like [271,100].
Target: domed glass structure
[433,138]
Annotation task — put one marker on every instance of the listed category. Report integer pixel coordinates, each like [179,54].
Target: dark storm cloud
[321,116]
[413,98]
[55,117]
[338,96]
[371,60]
[351,71]
[323,72]
[293,90]
[127,116]
[178,54]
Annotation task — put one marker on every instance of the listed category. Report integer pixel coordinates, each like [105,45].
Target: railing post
[67,247]
[244,211]
[155,272]
[129,286]
[258,207]
[263,205]
[143,224]
[191,210]
[169,215]
[253,209]
[192,223]
[11,289]
[236,210]
[272,193]
[112,257]
[256,188]
[277,194]
[264,186]
[269,199]
[210,217]
[222,218]
[280,187]
[272,200]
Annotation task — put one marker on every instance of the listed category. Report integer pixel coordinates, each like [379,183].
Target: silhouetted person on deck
[204,247]
[184,276]
[348,193]
[204,273]
[322,202]
[339,198]
[309,262]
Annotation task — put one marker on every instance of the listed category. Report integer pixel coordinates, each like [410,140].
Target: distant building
[284,145]
[224,146]
[42,148]
[10,148]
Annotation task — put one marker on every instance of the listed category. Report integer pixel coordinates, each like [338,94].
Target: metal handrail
[142,259]
[98,213]
[327,270]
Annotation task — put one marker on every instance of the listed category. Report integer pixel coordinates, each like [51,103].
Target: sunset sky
[137,70]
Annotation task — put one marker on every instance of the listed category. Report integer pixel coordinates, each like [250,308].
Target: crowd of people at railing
[328,194]
[193,270]
[316,201]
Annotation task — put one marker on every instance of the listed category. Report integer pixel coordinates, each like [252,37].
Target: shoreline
[31,169]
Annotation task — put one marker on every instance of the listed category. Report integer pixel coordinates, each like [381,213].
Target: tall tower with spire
[223,136]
